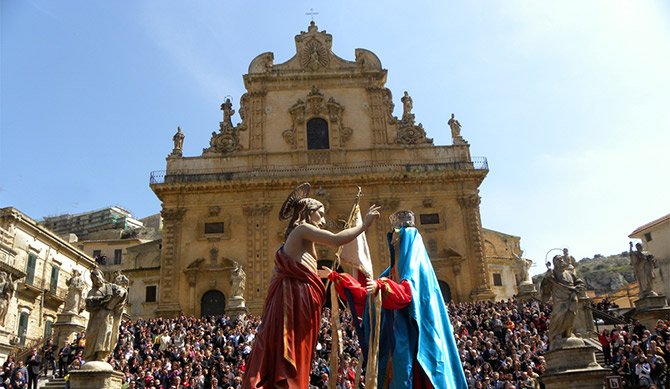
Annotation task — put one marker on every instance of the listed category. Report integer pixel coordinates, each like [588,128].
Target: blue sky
[568,100]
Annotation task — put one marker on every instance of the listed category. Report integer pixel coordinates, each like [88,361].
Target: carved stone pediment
[315,105]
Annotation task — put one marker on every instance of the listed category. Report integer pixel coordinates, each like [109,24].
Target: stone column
[259,262]
[168,304]
[473,233]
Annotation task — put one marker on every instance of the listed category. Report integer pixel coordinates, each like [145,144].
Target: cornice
[261,183]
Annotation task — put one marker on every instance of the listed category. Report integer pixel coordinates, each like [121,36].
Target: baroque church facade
[329,121]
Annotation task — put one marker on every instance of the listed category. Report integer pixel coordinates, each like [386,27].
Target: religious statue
[228,112]
[75,291]
[525,270]
[643,266]
[407,106]
[570,260]
[178,140]
[238,281]
[455,126]
[121,279]
[6,293]
[105,302]
[562,287]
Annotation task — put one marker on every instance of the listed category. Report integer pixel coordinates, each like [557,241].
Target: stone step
[54,383]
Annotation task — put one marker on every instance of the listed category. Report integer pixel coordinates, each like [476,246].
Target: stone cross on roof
[311,13]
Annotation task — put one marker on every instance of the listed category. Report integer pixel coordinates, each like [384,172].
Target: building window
[117,256]
[432,246]
[53,285]
[647,237]
[48,329]
[30,268]
[23,328]
[97,253]
[151,294]
[497,279]
[429,218]
[317,134]
[214,228]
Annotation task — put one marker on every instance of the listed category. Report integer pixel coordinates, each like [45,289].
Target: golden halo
[300,192]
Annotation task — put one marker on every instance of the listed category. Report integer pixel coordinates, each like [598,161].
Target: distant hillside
[603,274]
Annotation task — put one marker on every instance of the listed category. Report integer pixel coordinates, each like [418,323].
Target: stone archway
[446,291]
[213,303]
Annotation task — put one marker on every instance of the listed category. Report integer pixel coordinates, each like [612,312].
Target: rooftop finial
[311,14]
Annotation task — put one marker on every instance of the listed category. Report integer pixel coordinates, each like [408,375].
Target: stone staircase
[53,383]
[600,357]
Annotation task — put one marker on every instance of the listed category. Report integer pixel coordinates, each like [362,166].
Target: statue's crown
[403,218]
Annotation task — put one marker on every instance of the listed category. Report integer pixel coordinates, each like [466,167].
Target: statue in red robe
[284,347]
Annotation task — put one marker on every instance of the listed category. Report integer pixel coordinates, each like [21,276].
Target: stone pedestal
[648,310]
[573,368]
[67,324]
[236,306]
[527,291]
[8,341]
[96,375]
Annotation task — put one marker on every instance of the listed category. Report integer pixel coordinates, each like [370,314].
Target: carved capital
[173,214]
[469,201]
[257,209]
[387,204]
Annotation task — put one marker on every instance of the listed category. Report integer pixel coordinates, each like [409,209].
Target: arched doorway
[213,303]
[446,291]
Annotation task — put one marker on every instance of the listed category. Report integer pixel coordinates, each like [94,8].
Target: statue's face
[317,217]
[97,280]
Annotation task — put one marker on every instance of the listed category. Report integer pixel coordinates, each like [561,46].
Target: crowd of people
[501,344]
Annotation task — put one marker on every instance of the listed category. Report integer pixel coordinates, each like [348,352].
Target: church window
[118,253]
[647,236]
[429,218]
[214,228]
[150,295]
[317,134]
[497,279]
[30,268]
[97,253]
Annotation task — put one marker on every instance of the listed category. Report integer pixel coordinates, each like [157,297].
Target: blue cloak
[422,330]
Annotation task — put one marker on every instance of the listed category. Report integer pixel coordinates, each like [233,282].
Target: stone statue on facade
[455,127]
[6,293]
[228,112]
[178,139]
[643,266]
[238,280]
[75,293]
[105,302]
[563,288]
[407,105]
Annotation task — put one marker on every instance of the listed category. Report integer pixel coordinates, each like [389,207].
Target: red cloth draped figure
[282,353]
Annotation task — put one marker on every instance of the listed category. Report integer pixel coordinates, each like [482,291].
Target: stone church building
[329,121]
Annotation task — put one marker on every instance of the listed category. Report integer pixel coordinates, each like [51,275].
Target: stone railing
[204,175]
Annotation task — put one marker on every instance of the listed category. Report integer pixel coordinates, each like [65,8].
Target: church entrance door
[446,291]
[213,303]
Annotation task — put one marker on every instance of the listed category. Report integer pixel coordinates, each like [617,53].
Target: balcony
[54,300]
[206,175]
